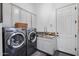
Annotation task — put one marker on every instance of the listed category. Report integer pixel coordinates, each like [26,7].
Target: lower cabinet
[46,45]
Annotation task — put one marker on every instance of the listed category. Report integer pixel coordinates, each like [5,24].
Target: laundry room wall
[46,16]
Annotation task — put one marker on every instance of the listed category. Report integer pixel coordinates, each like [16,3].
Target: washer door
[16,40]
[32,36]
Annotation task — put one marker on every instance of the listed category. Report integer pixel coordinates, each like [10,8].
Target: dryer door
[16,40]
[32,36]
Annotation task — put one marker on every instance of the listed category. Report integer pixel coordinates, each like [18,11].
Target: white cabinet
[45,25]
[40,28]
[29,20]
[49,25]
[34,21]
[23,16]
[40,25]
[26,17]
[16,15]
[13,14]
[7,21]
[19,15]
[46,45]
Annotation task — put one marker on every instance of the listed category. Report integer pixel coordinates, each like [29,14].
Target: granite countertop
[47,36]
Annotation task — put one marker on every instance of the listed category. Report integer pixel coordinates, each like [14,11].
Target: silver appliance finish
[14,41]
[31,42]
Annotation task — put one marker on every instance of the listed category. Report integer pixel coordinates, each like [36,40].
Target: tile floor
[38,53]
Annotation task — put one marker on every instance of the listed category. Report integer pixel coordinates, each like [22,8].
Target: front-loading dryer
[31,41]
[14,42]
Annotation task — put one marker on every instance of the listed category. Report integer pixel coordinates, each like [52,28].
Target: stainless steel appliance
[14,42]
[32,41]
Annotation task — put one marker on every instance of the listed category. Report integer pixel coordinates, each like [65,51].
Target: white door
[66,29]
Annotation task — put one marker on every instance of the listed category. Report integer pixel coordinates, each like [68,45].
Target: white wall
[46,13]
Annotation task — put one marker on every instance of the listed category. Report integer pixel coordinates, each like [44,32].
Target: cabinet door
[7,21]
[16,15]
[49,28]
[40,25]
[23,16]
[29,20]
[40,28]
[34,21]
[47,45]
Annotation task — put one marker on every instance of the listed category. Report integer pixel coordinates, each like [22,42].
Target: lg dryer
[31,41]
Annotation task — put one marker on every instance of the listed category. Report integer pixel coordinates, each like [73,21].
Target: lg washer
[14,42]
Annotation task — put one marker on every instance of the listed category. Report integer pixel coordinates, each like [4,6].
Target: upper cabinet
[16,15]
[23,16]
[13,14]
[46,18]
[7,22]
[45,25]
[29,20]
[40,23]
[34,21]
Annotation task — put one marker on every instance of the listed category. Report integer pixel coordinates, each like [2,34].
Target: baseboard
[65,53]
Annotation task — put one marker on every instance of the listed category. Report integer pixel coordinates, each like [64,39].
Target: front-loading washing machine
[14,42]
[31,41]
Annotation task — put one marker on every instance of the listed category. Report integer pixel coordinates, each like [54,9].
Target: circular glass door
[16,40]
[32,37]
